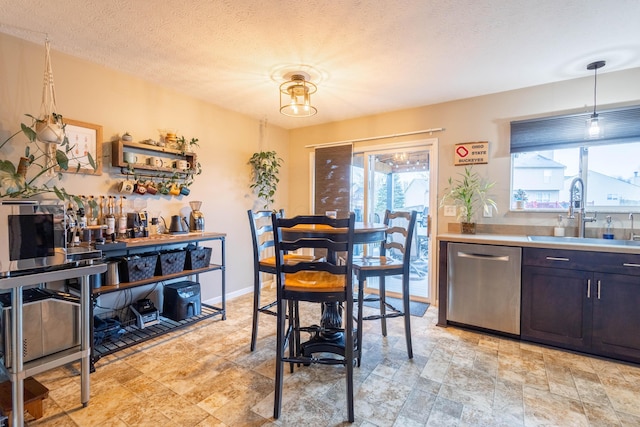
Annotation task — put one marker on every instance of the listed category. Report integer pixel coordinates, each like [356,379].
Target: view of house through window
[541,179]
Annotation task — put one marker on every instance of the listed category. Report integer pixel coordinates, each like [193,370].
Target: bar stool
[325,281]
[264,262]
[399,236]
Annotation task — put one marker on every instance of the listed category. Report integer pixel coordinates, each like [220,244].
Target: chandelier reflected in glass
[295,95]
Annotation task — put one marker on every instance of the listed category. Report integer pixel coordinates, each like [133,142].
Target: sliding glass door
[396,179]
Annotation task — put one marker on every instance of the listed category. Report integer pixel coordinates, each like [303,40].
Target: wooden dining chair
[324,281]
[394,260]
[264,262]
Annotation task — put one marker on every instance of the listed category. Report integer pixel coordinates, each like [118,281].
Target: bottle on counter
[110,218]
[558,230]
[608,229]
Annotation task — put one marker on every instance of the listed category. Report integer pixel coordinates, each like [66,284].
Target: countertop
[160,239]
[592,245]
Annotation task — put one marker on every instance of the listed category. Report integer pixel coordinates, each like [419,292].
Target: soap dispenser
[608,229]
[558,230]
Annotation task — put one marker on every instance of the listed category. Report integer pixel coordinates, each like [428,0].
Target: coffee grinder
[196,219]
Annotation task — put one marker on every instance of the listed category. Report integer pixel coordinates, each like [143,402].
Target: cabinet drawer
[605,262]
[560,258]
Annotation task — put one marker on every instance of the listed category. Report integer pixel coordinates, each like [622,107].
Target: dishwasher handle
[487,257]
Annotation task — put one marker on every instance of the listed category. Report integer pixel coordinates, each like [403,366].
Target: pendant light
[594,126]
[295,95]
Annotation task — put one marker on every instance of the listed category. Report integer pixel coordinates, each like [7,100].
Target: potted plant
[265,167]
[46,160]
[469,194]
[520,196]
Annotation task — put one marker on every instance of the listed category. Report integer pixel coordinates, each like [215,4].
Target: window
[548,153]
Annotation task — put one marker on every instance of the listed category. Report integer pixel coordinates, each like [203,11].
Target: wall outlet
[488,211]
[450,210]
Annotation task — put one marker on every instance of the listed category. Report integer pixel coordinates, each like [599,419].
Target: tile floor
[206,376]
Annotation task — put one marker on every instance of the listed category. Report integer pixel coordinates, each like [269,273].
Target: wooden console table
[140,245]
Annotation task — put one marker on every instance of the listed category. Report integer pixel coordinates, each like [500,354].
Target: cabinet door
[556,306]
[616,316]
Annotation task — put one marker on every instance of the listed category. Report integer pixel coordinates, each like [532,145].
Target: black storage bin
[136,267]
[197,258]
[170,262]
[181,300]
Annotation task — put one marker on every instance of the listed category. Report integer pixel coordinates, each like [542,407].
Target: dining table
[332,341]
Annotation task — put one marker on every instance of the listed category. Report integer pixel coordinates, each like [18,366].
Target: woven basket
[197,258]
[170,262]
[137,268]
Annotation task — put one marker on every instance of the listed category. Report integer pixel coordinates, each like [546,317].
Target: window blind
[333,179]
[548,133]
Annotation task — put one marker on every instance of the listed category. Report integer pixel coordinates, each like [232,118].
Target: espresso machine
[196,219]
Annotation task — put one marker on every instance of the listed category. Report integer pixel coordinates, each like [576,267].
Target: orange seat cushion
[288,259]
[320,281]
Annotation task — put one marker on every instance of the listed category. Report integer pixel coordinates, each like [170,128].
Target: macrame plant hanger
[49,126]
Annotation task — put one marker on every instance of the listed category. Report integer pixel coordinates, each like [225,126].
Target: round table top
[364,232]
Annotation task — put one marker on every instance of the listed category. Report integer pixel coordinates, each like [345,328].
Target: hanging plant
[49,126]
[21,179]
[265,167]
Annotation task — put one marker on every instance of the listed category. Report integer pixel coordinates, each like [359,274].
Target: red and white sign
[471,153]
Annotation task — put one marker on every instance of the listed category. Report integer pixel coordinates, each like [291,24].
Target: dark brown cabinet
[556,309]
[579,300]
[616,316]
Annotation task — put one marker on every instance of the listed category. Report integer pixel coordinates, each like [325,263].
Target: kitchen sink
[583,241]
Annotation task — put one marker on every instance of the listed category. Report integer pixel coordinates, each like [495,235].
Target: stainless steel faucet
[579,204]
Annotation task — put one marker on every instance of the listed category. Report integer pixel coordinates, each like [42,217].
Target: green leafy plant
[265,167]
[520,195]
[20,180]
[468,193]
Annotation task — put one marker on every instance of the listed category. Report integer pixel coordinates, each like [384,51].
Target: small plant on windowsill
[469,194]
[520,197]
[265,168]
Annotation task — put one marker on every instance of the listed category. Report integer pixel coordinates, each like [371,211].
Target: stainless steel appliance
[483,286]
[34,236]
[50,323]
[196,219]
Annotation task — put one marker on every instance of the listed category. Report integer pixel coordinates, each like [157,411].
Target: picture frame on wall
[84,139]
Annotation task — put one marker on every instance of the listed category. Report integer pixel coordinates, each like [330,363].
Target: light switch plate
[450,210]
[488,211]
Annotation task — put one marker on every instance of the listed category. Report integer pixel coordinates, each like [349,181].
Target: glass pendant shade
[295,97]
[594,126]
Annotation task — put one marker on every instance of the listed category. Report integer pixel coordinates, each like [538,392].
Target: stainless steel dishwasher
[483,286]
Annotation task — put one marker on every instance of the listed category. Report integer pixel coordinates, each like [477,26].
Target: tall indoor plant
[469,194]
[265,168]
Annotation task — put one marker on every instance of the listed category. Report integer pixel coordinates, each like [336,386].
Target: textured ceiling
[365,56]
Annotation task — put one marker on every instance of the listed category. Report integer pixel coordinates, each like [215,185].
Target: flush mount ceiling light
[295,95]
[594,123]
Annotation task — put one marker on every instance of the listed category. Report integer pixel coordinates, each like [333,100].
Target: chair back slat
[261,232]
[399,235]
[337,237]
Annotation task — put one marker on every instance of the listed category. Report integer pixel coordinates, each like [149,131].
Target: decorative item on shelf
[127,137]
[265,168]
[469,194]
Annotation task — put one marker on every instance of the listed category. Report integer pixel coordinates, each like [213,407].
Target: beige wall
[484,118]
[120,103]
